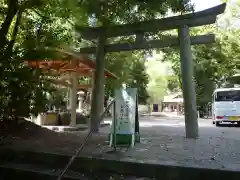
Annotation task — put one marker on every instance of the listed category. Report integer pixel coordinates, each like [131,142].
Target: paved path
[154,126]
[163,141]
[151,121]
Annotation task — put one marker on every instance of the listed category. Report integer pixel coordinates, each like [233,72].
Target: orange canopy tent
[82,67]
[67,73]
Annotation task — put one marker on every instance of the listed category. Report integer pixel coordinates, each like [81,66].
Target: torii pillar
[97,101]
[189,94]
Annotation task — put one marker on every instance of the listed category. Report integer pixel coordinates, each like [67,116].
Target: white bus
[226,105]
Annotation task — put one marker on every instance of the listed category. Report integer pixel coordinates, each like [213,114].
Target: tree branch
[19,9]
[9,48]
[11,12]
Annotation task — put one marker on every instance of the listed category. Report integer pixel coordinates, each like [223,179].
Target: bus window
[233,95]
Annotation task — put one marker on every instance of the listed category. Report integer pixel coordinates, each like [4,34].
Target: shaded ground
[26,135]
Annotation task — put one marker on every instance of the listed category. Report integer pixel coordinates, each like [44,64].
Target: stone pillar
[92,85]
[69,98]
[80,103]
[73,97]
[187,74]
[98,88]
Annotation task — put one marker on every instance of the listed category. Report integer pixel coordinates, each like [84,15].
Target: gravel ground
[216,148]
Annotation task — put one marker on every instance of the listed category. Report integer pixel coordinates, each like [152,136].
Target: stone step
[108,166]
[9,171]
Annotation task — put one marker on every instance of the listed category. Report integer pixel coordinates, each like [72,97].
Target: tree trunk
[11,12]
[9,49]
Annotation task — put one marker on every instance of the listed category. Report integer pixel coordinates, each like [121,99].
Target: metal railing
[113,102]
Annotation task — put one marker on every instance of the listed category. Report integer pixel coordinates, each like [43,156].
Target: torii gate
[182,23]
[68,71]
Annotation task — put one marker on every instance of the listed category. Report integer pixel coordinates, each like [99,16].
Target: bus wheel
[217,123]
[238,123]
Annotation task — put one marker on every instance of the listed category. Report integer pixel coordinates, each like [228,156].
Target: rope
[84,142]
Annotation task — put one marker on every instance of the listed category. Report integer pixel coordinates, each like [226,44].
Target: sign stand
[125,121]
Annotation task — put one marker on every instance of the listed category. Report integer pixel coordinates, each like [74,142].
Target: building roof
[82,65]
[173,98]
[83,68]
[62,69]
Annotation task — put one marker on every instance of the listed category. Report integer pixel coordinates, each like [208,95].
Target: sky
[201,5]
[205,4]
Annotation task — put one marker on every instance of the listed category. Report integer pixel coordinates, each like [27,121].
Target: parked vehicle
[226,105]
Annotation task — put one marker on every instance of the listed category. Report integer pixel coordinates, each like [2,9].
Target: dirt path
[28,136]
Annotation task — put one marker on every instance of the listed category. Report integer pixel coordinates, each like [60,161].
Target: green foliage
[139,79]
[130,69]
[158,72]
[173,83]
[28,25]
[157,89]
[119,11]
[128,66]
[213,63]
[57,96]
[230,18]
[23,89]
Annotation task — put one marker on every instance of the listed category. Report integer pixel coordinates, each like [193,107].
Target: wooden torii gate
[182,24]
[67,73]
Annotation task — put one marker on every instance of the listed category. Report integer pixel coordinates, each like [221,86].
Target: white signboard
[125,111]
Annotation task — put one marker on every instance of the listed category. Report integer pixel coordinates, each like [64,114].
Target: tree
[106,13]
[130,69]
[23,89]
[158,72]
[27,25]
[213,63]
[118,12]
[230,19]
[157,89]
[139,80]
[173,83]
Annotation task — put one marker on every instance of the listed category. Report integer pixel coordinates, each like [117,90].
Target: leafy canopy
[126,11]
[29,24]
[213,63]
